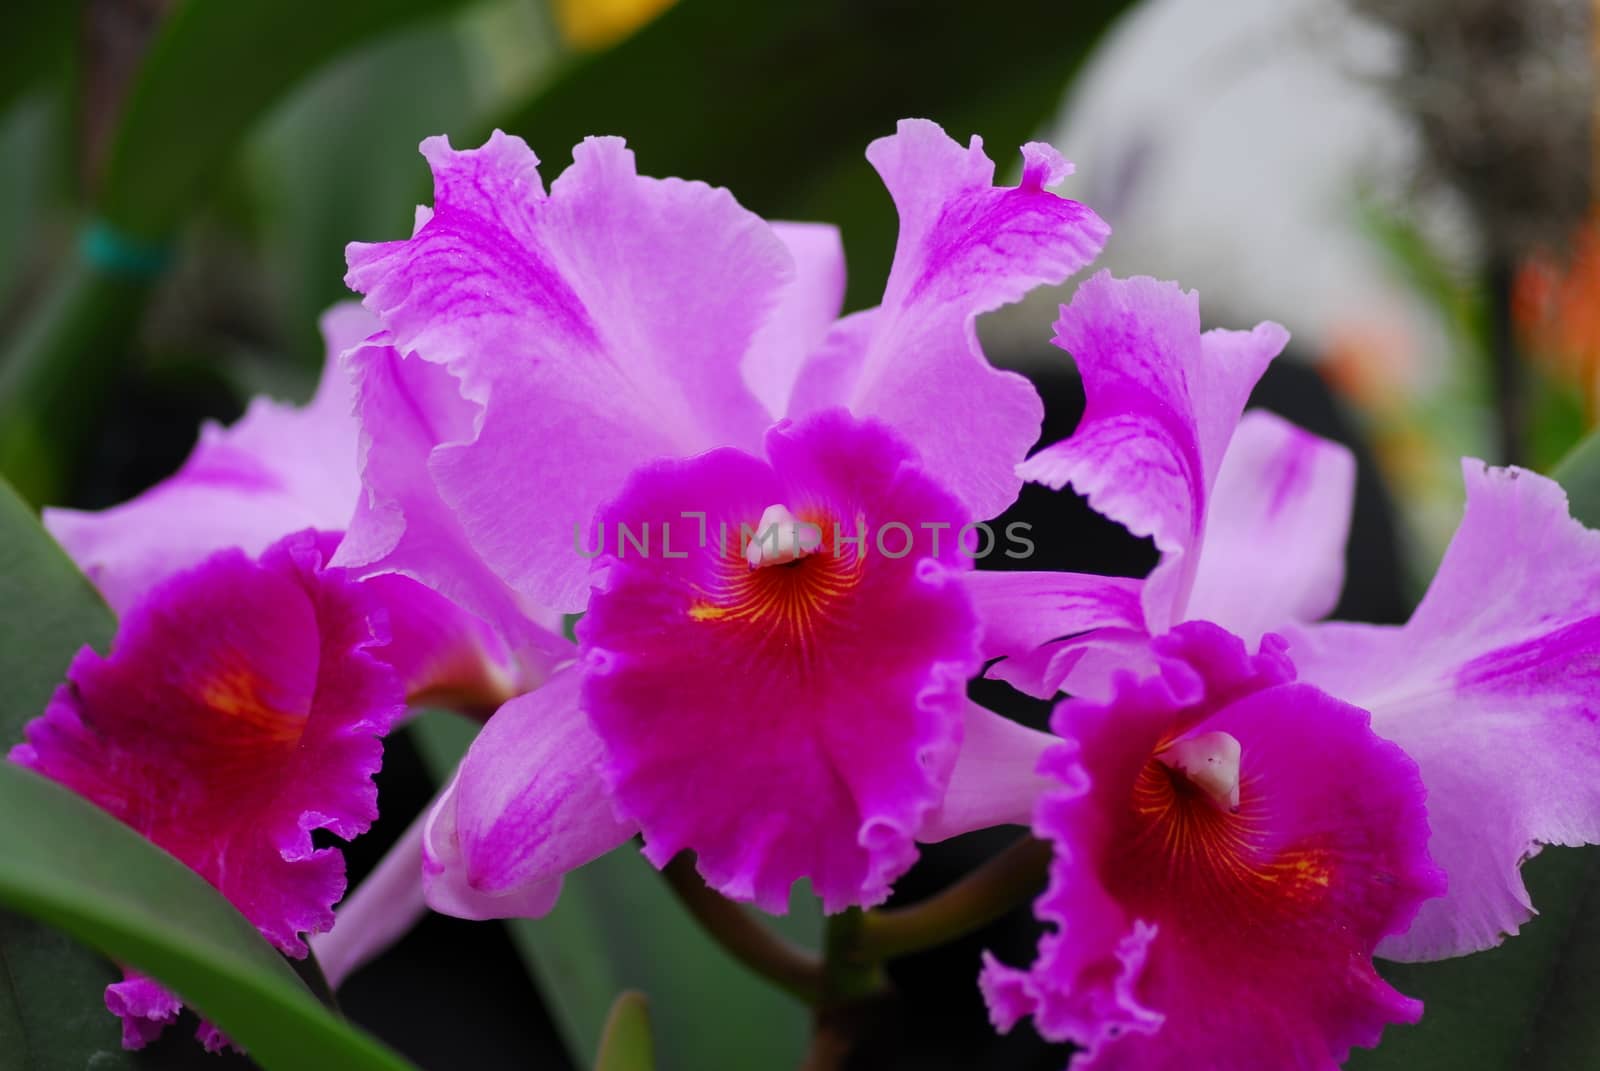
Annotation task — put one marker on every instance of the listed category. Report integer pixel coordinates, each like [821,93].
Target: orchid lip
[781,537]
[1211,763]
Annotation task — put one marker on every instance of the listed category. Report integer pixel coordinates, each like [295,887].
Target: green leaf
[618,926]
[777,102]
[77,868]
[627,1043]
[1579,474]
[1527,1005]
[37,38]
[52,1017]
[214,69]
[48,612]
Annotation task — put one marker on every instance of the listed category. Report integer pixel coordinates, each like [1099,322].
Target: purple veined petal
[965,247]
[995,781]
[1034,621]
[1190,931]
[1275,531]
[402,526]
[597,327]
[1161,404]
[381,910]
[1492,687]
[804,315]
[446,657]
[280,469]
[527,805]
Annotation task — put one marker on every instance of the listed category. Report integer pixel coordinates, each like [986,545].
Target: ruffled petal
[240,710]
[965,247]
[597,327]
[1161,403]
[803,317]
[280,469]
[1491,687]
[1275,531]
[144,1005]
[527,805]
[793,720]
[402,528]
[1191,935]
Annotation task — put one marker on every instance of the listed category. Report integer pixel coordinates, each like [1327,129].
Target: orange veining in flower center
[1191,861]
[789,605]
[235,693]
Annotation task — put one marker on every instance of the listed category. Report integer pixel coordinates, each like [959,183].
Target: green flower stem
[855,993]
[749,942]
[1011,878]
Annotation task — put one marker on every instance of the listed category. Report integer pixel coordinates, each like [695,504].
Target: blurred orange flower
[1556,307]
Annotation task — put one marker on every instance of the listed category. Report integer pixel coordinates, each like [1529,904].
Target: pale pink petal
[1492,687]
[280,469]
[382,909]
[1161,404]
[995,781]
[1038,623]
[597,328]
[527,805]
[1275,531]
[803,317]
[965,247]
[401,525]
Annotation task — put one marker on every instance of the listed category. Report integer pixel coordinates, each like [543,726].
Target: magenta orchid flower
[241,708]
[620,351]
[1489,690]
[1231,845]
[279,470]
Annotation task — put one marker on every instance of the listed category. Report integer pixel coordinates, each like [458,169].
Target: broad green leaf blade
[627,1044]
[1527,1005]
[52,1017]
[777,102]
[48,612]
[66,862]
[618,926]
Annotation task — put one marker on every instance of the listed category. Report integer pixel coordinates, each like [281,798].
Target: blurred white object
[1226,144]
